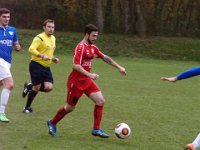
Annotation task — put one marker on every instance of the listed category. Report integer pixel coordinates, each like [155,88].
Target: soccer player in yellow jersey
[42,50]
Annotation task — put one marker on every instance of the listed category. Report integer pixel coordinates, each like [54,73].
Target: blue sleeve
[189,73]
[15,37]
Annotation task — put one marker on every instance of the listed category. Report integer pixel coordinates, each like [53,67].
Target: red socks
[60,114]
[98,111]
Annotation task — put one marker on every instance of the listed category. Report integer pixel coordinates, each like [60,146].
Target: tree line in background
[140,17]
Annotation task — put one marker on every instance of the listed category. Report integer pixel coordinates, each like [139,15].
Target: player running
[8,40]
[80,81]
[42,49]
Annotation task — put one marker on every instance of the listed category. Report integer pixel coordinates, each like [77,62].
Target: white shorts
[4,69]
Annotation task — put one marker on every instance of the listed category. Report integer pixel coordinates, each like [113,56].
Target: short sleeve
[78,54]
[15,37]
[98,53]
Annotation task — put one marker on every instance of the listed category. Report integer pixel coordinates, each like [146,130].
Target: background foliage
[141,17]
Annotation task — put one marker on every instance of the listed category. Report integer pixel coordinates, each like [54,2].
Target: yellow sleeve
[34,46]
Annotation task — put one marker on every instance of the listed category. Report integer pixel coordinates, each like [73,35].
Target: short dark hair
[47,21]
[89,28]
[4,11]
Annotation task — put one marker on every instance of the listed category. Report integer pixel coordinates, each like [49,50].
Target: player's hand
[94,76]
[55,60]
[17,47]
[122,70]
[45,57]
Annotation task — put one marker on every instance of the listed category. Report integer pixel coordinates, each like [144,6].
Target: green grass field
[162,116]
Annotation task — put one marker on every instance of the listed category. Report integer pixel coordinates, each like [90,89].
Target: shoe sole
[26,112]
[4,121]
[100,135]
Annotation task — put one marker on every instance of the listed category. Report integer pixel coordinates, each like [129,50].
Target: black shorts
[39,73]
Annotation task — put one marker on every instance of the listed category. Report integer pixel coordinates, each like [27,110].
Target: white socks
[196,142]
[5,93]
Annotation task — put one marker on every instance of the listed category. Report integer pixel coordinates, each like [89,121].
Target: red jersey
[83,55]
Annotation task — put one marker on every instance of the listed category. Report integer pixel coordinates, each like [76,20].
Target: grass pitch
[162,115]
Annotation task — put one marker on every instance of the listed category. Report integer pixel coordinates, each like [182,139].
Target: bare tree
[125,4]
[100,19]
[140,22]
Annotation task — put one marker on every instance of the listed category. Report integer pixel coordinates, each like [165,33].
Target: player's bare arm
[17,46]
[44,57]
[80,69]
[110,61]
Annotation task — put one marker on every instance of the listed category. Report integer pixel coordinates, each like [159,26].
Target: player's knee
[48,88]
[69,108]
[9,86]
[100,102]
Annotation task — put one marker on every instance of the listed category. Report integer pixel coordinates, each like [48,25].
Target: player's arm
[80,69]
[33,49]
[111,62]
[16,46]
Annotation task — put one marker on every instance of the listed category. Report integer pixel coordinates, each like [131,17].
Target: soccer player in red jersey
[80,81]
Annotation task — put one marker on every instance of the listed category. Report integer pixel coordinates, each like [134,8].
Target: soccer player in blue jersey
[184,75]
[8,40]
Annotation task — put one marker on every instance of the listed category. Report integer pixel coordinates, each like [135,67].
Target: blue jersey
[8,36]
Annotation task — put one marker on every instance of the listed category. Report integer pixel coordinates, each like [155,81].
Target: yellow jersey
[43,44]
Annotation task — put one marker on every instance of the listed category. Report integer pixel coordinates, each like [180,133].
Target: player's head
[49,26]
[4,17]
[91,33]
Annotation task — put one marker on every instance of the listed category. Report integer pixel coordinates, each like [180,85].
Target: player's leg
[194,145]
[94,93]
[98,99]
[7,82]
[47,84]
[5,93]
[73,95]
[36,79]
[62,111]
[31,96]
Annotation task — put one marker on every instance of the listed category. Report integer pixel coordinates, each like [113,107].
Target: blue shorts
[39,73]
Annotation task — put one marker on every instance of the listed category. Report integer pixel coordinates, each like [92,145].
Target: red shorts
[76,90]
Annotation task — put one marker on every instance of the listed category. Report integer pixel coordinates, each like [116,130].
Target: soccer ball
[122,130]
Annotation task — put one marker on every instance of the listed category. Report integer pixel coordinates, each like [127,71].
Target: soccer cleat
[189,147]
[99,133]
[52,128]
[27,88]
[27,110]
[3,117]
